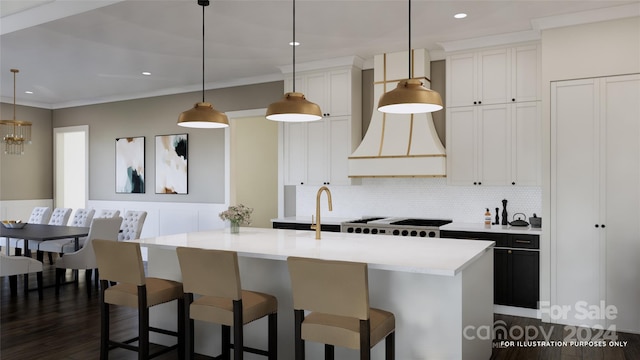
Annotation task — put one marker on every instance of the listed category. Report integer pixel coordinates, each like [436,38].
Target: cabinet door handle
[513,99]
[597,225]
[475,103]
[509,251]
[523,241]
[602,226]
[479,102]
[475,183]
[513,183]
[479,182]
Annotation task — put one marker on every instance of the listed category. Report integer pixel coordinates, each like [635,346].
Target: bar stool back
[215,275]
[121,262]
[337,295]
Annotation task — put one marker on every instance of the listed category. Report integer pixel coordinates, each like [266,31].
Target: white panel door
[526,73]
[575,241]
[461,79]
[317,152]
[295,153]
[339,93]
[494,150]
[461,146]
[620,115]
[526,149]
[339,150]
[494,76]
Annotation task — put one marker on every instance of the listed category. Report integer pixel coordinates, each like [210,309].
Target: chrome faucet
[317,225]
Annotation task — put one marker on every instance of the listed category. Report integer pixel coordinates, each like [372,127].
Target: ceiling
[74,52]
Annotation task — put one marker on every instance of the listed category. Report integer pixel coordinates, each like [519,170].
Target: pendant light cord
[14,93]
[293,44]
[409,40]
[203,6]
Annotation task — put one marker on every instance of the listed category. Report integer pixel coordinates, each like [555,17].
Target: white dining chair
[107,213]
[81,218]
[132,225]
[39,215]
[101,228]
[59,217]
[13,266]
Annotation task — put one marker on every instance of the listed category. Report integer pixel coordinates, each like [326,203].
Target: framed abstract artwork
[171,164]
[130,165]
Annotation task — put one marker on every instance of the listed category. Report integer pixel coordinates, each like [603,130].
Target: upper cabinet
[316,153]
[493,117]
[331,90]
[494,76]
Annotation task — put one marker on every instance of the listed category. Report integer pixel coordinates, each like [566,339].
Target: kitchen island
[440,290]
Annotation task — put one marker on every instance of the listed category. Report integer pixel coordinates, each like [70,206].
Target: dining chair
[107,213]
[120,263]
[85,259]
[81,218]
[59,217]
[132,225]
[12,266]
[39,215]
[335,296]
[214,275]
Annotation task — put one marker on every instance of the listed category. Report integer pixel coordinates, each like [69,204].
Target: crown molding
[325,64]
[585,17]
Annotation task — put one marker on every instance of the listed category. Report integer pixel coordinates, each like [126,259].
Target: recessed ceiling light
[146,73]
[28,92]
[294,43]
[460,16]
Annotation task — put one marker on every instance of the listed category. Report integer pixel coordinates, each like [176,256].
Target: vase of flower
[237,215]
[235,227]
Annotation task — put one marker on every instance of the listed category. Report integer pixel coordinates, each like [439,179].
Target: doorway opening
[71,169]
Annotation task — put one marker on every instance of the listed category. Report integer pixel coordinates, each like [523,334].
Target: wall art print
[171,164]
[130,165]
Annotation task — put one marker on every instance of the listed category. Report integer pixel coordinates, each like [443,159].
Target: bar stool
[337,295]
[214,274]
[121,262]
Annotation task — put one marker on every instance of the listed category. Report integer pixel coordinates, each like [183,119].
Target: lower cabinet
[516,264]
[304,226]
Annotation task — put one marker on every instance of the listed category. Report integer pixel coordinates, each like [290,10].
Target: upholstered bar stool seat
[121,263]
[331,307]
[215,275]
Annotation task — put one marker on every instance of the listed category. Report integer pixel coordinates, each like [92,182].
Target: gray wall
[28,176]
[157,116]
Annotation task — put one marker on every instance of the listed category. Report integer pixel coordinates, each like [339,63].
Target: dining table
[43,232]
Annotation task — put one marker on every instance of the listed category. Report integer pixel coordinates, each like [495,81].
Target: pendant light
[203,115]
[294,107]
[410,96]
[15,133]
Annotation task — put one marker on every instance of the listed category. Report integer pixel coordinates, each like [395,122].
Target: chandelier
[15,133]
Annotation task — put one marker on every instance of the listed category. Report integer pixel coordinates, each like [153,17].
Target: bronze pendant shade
[294,107]
[410,96]
[203,115]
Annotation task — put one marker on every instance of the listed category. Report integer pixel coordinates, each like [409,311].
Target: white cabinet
[595,199]
[316,153]
[493,117]
[331,90]
[494,76]
[494,144]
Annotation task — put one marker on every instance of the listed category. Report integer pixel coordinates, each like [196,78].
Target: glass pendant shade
[294,107]
[410,97]
[203,115]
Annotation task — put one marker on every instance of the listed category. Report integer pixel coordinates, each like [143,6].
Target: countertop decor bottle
[487,218]
[497,217]
[504,213]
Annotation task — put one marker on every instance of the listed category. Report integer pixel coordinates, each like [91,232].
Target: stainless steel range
[400,226]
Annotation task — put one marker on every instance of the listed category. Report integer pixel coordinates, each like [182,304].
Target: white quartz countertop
[446,257]
[479,227]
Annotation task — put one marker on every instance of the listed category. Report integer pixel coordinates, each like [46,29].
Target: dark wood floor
[67,327]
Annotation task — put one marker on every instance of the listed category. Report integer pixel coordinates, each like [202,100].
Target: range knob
[358,230]
[366,231]
[349,229]
[423,233]
[414,233]
[432,234]
[405,233]
[396,232]
[374,231]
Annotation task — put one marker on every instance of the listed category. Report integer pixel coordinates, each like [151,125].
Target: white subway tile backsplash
[420,197]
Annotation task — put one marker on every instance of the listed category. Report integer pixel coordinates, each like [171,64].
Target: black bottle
[497,217]
[504,212]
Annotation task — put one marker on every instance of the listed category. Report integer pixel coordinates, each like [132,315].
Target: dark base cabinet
[516,266]
[304,226]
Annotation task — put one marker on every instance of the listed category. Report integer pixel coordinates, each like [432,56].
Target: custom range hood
[399,145]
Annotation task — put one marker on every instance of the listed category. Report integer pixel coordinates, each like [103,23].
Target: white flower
[238,213]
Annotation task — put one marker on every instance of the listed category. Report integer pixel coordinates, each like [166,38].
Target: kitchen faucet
[317,225]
